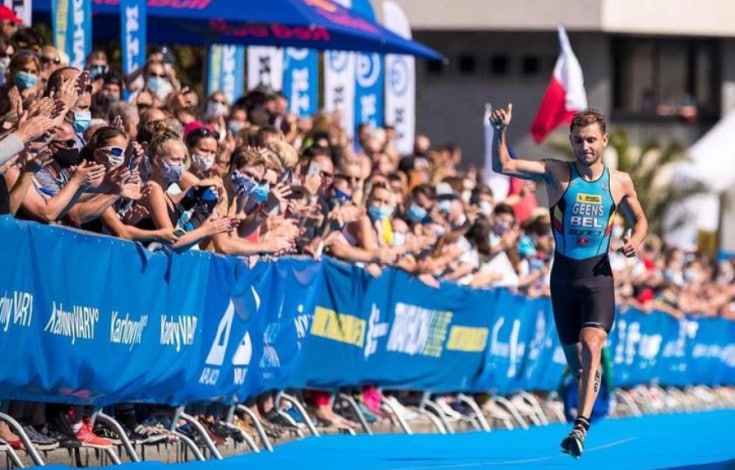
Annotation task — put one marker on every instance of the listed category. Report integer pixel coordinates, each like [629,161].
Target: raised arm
[502,163]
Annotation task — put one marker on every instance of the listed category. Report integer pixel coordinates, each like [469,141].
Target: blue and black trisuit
[582,289]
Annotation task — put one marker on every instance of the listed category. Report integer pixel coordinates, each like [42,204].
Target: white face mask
[216,109]
[201,162]
[460,221]
[399,239]
[466,195]
[161,87]
[485,208]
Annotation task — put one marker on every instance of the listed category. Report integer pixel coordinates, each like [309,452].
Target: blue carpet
[678,441]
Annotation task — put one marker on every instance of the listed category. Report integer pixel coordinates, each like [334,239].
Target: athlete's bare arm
[632,209]
[520,168]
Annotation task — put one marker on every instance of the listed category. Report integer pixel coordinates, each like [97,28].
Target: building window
[434,67]
[530,65]
[499,65]
[467,64]
[668,77]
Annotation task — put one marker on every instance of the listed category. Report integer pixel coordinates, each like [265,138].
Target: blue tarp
[315,24]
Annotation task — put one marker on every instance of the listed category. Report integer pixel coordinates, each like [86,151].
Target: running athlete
[584,195]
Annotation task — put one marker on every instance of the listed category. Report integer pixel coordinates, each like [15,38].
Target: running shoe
[66,441]
[573,444]
[89,439]
[40,441]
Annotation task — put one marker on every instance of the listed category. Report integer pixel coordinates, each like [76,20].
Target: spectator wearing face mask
[216,109]
[58,184]
[97,66]
[201,141]
[421,204]
[237,120]
[168,157]
[246,175]
[159,80]
[369,239]
[23,72]
[482,200]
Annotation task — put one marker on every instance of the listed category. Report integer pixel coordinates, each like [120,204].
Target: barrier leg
[127,445]
[436,411]
[18,429]
[200,429]
[12,455]
[556,410]
[356,409]
[626,398]
[302,411]
[248,438]
[258,426]
[479,417]
[190,444]
[505,403]
[531,400]
[401,421]
[432,415]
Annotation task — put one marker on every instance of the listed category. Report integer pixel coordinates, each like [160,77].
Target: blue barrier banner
[659,348]
[301,80]
[97,320]
[133,17]
[226,70]
[71,22]
[369,330]
[523,351]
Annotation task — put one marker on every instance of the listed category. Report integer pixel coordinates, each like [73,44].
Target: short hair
[589,117]
[480,190]
[425,189]
[504,208]
[247,156]
[268,131]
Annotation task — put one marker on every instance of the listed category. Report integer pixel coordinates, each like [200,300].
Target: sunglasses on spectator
[203,132]
[4,55]
[69,143]
[114,151]
[161,75]
[47,60]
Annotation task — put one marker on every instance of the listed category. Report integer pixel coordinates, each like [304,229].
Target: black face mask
[67,157]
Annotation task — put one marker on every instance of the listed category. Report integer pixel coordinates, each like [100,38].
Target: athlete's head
[588,136]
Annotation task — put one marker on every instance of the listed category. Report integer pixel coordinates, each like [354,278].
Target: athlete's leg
[593,339]
[573,354]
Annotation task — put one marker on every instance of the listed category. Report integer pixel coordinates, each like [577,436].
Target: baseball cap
[196,126]
[6,14]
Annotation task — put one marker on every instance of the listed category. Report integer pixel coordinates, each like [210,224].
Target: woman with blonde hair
[168,157]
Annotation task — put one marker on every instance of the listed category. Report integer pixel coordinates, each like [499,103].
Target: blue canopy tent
[314,24]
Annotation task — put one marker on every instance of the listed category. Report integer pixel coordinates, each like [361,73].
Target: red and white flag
[565,94]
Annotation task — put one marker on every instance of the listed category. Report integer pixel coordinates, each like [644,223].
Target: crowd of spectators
[143,158]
